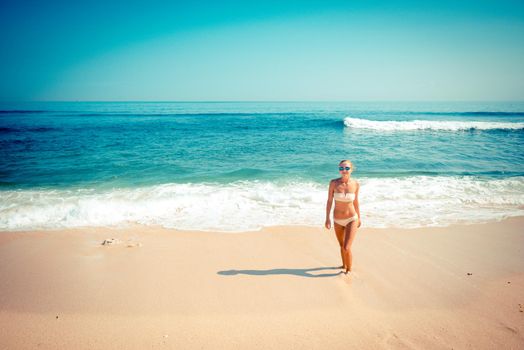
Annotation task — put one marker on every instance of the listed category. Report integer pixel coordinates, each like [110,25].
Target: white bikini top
[344,197]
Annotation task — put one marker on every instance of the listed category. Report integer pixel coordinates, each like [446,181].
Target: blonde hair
[353,167]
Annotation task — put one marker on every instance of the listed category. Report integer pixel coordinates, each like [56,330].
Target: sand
[457,287]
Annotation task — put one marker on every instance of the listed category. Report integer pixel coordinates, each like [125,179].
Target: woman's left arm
[356,204]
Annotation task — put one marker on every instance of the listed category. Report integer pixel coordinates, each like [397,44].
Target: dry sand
[458,287]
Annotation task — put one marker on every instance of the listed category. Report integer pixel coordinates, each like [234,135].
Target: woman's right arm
[329,204]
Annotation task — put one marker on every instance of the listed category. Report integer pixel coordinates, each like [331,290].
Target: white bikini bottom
[344,222]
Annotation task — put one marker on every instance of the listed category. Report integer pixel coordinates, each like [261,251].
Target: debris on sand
[110,241]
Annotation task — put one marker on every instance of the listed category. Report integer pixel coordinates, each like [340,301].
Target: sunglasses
[340,168]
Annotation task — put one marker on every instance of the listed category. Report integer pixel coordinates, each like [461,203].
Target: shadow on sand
[295,272]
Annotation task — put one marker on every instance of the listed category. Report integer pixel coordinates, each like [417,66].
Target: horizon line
[247,101]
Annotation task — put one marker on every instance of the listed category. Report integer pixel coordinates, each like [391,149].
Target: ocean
[240,166]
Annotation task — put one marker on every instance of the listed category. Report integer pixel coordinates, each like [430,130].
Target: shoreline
[250,205]
[435,287]
[137,226]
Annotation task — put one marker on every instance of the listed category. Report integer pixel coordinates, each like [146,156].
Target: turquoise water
[74,164]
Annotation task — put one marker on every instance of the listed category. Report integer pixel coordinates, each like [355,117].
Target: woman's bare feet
[347,271]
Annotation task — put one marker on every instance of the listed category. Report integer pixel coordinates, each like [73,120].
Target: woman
[346,214]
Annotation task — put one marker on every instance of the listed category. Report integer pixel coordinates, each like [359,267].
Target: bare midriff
[344,210]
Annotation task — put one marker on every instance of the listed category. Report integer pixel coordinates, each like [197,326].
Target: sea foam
[409,202]
[437,125]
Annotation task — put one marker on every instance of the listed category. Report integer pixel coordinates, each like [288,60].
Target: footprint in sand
[353,274]
[350,277]
[133,244]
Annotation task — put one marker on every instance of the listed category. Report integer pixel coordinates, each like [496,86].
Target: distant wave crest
[470,113]
[438,125]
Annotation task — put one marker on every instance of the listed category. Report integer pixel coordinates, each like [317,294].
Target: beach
[168,171]
[450,287]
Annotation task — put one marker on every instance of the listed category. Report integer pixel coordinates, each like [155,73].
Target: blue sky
[253,51]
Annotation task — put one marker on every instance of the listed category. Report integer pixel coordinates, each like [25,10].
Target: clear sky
[361,50]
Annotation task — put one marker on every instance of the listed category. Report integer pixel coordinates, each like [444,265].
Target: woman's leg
[339,230]
[349,236]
